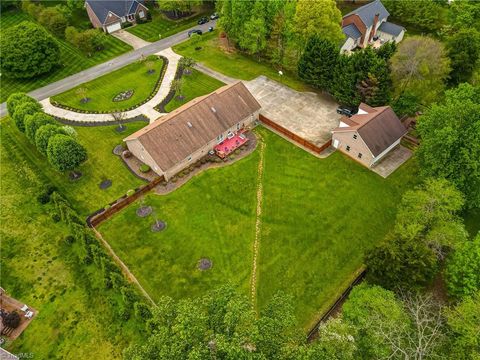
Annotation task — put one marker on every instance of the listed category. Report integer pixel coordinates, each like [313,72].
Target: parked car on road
[194,31]
[203,20]
[214,16]
[345,111]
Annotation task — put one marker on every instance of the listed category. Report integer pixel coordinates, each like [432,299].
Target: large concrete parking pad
[308,115]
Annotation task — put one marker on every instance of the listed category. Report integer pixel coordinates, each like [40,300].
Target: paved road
[109,66]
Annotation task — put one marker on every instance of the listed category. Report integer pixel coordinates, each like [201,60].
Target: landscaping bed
[121,90]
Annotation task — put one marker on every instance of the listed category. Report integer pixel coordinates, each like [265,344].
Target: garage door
[114,27]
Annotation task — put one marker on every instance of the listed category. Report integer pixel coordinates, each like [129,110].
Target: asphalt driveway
[308,115]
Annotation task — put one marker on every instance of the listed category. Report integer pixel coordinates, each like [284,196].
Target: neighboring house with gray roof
[111,14]
[368,24]
[369,135]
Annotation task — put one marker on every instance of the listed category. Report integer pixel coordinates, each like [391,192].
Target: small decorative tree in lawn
[65,153]
[195,40]
[187,64]
[118,117]
[158,225]
[177,86]
[82,93]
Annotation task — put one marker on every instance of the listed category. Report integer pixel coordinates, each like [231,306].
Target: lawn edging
[156,88]
[161,106]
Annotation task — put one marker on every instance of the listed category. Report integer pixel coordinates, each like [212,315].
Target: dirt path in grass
[258,223]
[124,267]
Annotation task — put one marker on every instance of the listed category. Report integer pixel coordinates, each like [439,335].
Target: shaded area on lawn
[102,91]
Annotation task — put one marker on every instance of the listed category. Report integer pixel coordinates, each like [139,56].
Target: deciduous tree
[27,50]
[65,153]
[34,122]
[24,109]
[464,51]
[43,135]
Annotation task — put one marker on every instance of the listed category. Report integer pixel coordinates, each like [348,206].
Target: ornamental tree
[34,122]
[24,109]
[43,135]
[27,50]
[65,153]
[16,99]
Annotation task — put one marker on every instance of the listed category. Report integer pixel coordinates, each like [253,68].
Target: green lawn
[319,217]
[72,60]
[161,27]
[235,64]
[196,84]
[102,90]
[84,194]
[74,321]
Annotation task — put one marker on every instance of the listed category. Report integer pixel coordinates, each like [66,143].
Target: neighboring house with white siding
[368,25]
[369,135]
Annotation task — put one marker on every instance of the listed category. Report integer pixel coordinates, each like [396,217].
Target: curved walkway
[146,109]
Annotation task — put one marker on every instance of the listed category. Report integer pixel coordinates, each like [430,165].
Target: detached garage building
[111,14]
[369,135]
[185,135]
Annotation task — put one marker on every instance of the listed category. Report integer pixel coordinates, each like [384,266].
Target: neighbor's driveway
[308,115]
[130,39]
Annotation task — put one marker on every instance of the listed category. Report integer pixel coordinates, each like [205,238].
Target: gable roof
[172,138]
[367,12]
[379,128]
[352,31]
[391,28]
[101,8]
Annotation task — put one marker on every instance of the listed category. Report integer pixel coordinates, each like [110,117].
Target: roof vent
[213,110]
[189,124]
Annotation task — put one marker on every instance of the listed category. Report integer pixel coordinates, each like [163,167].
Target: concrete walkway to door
[130,39]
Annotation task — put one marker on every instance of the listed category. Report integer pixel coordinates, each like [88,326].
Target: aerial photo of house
[240,179]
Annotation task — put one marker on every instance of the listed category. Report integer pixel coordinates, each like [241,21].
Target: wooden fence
[103,214]
[305,143]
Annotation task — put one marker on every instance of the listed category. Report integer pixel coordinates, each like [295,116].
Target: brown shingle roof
[172,138]
[378,129]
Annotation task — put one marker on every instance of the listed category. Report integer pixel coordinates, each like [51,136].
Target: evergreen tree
[318,61]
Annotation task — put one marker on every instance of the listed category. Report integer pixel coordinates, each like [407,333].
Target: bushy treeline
[58,143]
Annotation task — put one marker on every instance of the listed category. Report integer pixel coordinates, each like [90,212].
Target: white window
[141,14]
[238,126]
[123,19]
[189,158]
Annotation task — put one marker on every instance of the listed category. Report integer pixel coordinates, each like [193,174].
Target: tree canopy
[43,135]
[65,153]
[27,50]
[450,132]
[23,109]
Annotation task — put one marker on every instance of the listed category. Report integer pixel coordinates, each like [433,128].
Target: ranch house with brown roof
[369,135]
[111,14]
[178,139]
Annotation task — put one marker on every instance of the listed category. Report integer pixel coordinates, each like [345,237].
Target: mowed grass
[319,217]
[161,27]
[84,193]
[234,64]
[196,84]
[72,60]
[102,90]
[73,322]
[213,216]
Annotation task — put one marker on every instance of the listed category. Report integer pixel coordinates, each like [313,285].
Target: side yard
[84,193]
[233,64]
[72,59]
[73,321]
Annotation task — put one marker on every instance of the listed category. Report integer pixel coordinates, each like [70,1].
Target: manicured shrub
[144,168]
[65,153]
[130,192]
[24,109]
[43,135]
[27,50]
[34,122]
[16,99]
